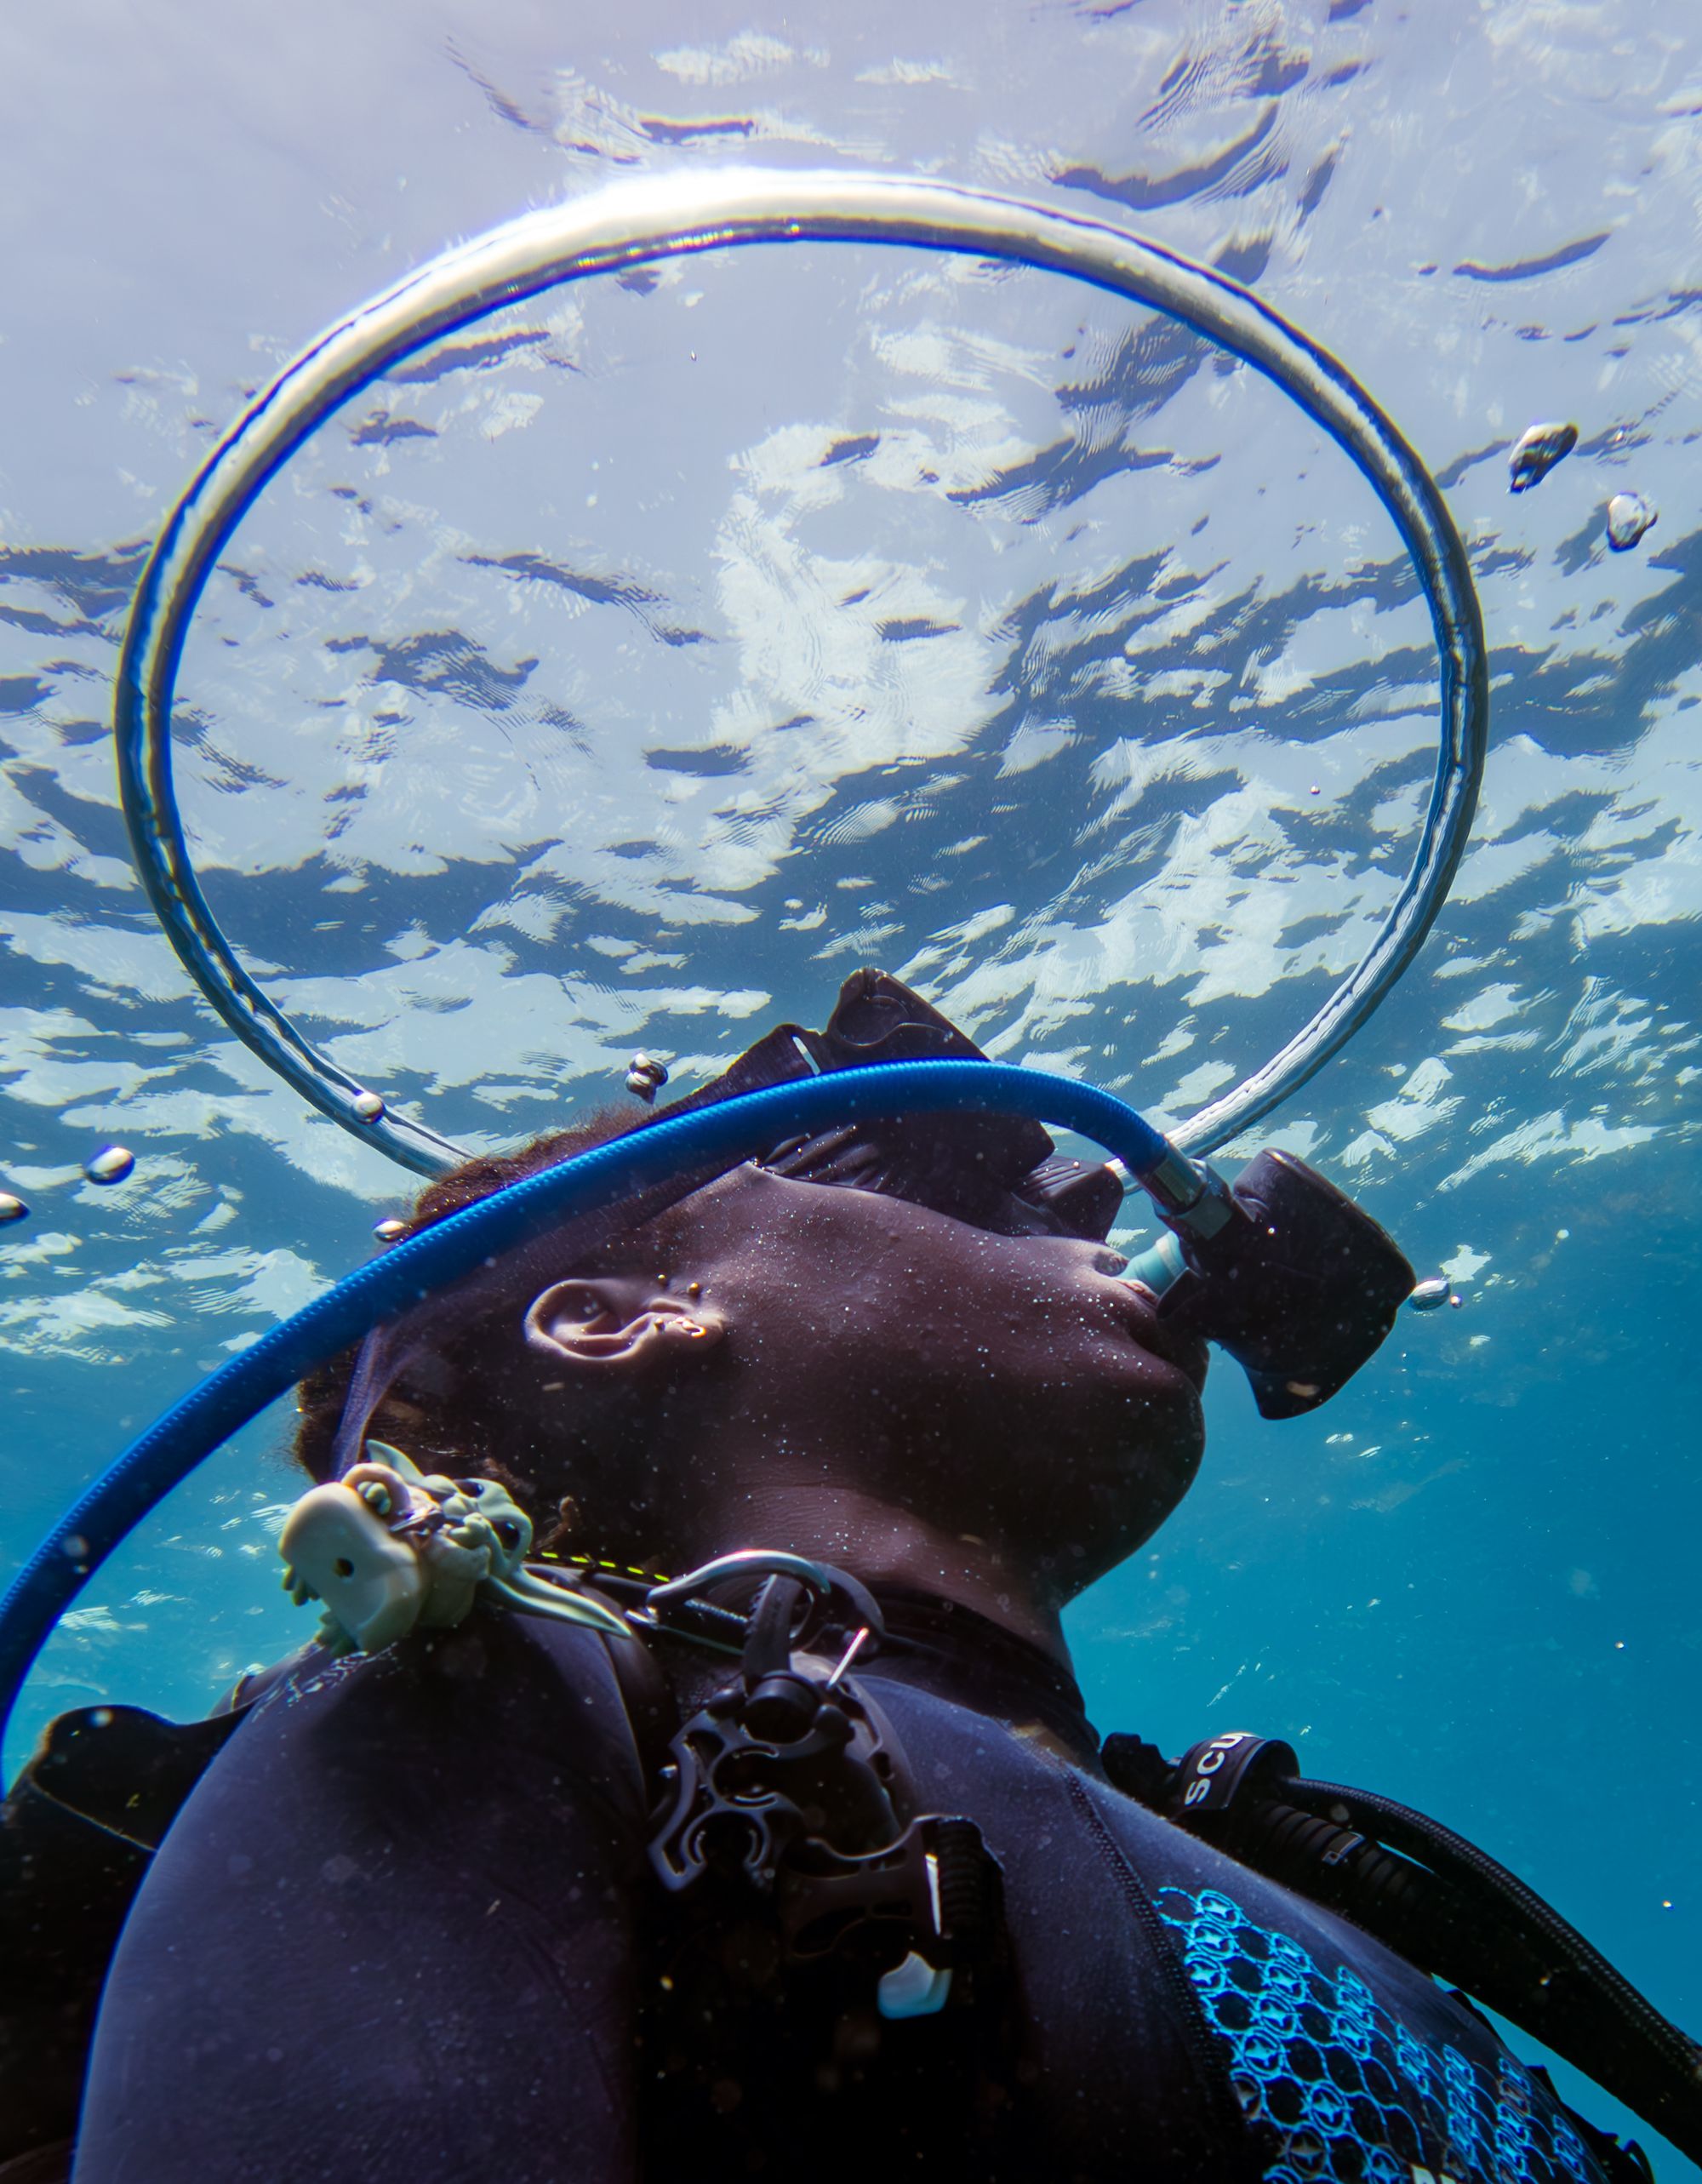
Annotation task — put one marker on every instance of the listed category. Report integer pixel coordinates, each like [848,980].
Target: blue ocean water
[627,673]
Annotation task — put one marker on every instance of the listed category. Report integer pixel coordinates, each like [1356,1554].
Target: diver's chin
[1131,1513]
[1143,1457]
[1165,1488]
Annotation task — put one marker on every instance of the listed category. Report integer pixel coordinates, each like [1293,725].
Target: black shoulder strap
[1440,1902]
[67,1879]
[126,1770]
[653,1711]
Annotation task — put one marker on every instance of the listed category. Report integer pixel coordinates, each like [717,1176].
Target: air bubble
[1431,1295]
[12,1209]
[109,1165]
[645,1076]
[1536,452]
[368,1106]
[387,1231]
[1628,516]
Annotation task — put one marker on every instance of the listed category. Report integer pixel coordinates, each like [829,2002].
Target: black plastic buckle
[933,1891]
[759,1771]
[780,1758]
[791,1784]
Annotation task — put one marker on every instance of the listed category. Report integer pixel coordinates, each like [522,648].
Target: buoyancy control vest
[809,1911]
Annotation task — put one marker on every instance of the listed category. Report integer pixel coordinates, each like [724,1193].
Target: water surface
[627,673]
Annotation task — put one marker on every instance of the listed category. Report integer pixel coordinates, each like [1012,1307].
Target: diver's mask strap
[1001,1172]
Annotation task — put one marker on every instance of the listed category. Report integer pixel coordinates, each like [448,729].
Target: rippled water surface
[626,672]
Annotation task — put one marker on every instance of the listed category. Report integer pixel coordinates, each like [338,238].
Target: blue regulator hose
[730,1130]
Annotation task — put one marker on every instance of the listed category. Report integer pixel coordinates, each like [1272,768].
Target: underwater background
[625,672]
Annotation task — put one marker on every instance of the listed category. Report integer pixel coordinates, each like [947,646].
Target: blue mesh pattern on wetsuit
[1345,2092]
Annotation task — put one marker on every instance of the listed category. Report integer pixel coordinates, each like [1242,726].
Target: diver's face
[1008,1388]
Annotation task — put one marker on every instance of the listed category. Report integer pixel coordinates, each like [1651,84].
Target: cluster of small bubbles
[645,1076]
[111,1164]
[1628,516]
[11,1208]
[367,1106]
[1536,452]
[387,1231]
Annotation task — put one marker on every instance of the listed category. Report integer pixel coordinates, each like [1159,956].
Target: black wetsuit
[401,1930]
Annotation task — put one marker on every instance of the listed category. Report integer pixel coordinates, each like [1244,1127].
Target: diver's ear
[626,1324]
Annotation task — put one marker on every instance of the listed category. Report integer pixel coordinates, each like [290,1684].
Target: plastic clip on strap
[790,1786]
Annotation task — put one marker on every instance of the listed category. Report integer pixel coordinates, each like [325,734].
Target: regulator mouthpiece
[1295,1282]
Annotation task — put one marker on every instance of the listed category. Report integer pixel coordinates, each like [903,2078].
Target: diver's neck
[884,1545]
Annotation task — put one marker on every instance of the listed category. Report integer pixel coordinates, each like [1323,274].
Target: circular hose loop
[637,224]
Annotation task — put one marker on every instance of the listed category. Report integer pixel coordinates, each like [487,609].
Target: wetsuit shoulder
[1337,2048]
[390,1934]
[1185,2018]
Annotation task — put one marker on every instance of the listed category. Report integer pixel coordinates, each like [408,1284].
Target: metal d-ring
[822,1582]
[637,224]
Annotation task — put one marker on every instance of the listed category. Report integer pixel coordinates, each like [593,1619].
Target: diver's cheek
[1191,1439]
[1125,1409]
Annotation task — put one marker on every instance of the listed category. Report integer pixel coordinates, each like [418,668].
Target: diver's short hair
[453,1421]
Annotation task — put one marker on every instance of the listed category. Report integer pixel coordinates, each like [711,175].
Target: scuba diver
[688,1779]
[786,1846]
